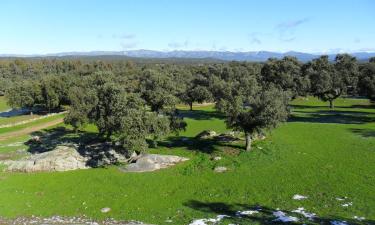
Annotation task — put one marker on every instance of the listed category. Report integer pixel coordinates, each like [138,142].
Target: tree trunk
[191,106]
[248,141]
[331,106]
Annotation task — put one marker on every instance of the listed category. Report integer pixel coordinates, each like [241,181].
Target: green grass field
[320,153]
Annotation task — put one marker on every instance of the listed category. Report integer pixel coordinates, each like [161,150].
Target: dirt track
[30,129]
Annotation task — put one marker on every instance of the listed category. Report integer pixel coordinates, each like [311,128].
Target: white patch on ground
[299,197]
[246,213]
[347,204]
[359,218]
[105,210]
[302,211]
[208,221]
[335,222]
[281,216]
[341,199]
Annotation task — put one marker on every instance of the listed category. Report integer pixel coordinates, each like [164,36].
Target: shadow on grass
[369,106]
[201,114]
[49,140]
[323,116]
[337,112]
[264,216]
[363,132]
[207,146]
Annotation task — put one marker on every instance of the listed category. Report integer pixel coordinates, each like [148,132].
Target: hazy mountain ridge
[256,56]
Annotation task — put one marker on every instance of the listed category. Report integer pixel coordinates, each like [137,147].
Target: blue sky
[50,26]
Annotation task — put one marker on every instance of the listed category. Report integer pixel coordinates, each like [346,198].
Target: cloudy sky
[319,26]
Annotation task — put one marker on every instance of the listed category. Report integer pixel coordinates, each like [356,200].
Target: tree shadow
[357,106]
[263,215]
[337,112]
[207,146]
[369,106]
[201,114]
[323,116]
[363,132]
[45,141]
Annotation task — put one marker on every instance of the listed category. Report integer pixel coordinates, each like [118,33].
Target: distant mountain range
[255,56]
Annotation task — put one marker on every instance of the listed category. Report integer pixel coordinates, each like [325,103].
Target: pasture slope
[325,155]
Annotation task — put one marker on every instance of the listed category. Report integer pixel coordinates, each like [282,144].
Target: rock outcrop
[152,162]
[206,134]
[62,158]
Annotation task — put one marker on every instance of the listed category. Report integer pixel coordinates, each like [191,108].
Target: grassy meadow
[319,153]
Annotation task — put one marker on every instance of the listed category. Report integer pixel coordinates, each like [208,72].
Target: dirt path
[29,130]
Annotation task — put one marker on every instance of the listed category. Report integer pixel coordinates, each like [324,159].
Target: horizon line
[182,50]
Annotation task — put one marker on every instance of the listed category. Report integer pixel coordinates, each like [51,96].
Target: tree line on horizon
[131,102]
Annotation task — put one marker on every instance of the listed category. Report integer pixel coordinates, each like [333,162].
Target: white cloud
[286,30]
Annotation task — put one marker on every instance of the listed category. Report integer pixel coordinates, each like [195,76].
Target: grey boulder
[62,158]
[152,162]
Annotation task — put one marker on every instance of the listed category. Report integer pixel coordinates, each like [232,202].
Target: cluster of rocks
[225,137]
[71,157]
[103,154]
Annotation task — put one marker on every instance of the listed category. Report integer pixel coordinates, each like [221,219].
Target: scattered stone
[359,218]
[258,137]
[341,199]
[35,139]
[220,169]
[302,211]
[208,221]
[105,210]
[62,158]
[299,197]
[206,134]
[152,162]
[216,158]
[347,204]
[246,213]
[282,217]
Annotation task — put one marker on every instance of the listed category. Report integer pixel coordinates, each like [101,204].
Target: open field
[320,153]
